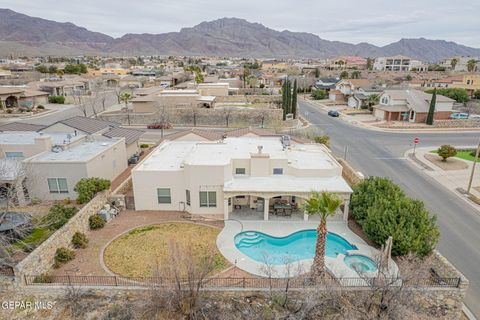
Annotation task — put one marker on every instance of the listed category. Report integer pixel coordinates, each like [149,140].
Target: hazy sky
[376,21]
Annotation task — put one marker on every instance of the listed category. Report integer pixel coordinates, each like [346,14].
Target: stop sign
[416,140]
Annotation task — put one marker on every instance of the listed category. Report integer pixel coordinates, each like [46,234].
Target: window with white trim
[187,195]
[240,171]
[163,195]
[208,199]
[57,185]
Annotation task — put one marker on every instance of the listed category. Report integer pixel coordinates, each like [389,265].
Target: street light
[473,168]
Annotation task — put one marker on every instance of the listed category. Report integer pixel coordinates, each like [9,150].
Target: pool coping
[336,266]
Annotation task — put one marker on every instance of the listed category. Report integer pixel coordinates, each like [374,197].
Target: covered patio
[278,198]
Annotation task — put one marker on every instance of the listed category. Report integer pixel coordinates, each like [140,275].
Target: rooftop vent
[259,148]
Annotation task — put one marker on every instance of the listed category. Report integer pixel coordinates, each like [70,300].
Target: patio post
[345,210]
[225,209]
[266,205]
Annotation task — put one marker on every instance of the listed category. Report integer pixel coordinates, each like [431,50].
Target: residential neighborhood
[229,168]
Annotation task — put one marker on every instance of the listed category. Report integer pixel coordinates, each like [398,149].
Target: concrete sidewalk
[453,180]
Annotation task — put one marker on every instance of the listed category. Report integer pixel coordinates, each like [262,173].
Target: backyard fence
[238,283]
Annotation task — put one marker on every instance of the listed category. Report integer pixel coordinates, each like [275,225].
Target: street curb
[468,313]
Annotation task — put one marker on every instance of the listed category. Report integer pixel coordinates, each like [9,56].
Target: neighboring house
[347,88]
[67,86]
[48,166]
[90,126]
[349,62]
[170,99]
[15,97]
[357,101]
[396,63]
[235,177]
[326,84]
[82,126]
[469,82]
[461,63]
[411,105]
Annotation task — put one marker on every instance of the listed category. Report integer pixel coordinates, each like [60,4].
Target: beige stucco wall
[109,164]
[41,144]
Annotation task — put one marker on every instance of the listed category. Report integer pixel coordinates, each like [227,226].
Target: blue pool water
[295,247]
[360,263]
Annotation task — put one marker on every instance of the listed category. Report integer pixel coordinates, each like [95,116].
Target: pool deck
[336,266]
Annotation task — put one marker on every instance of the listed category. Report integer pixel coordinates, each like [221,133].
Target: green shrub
[458,94]
[88,187]
[63,255]
[383,210]
[56,99]
[40,107]
[446,151]
[58,216]
[34,239]
[9,111]
[367,192]
[96,222]
[407,221]
[144,146]
[79,240]
[319,94]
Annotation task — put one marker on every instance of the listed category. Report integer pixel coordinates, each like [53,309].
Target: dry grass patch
[139,252]
[450,164]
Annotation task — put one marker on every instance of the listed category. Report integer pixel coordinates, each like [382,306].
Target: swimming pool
[297,246]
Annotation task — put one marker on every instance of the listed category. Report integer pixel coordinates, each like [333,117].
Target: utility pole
[473,169]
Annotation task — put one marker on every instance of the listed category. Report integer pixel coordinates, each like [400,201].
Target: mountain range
[24,35]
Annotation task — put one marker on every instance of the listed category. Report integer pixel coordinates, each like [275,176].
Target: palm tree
[125,97]
[471,64]
[372,100]
[453,63]
[323,204]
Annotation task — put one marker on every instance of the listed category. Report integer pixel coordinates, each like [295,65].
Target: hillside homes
[397,63]
[411,105]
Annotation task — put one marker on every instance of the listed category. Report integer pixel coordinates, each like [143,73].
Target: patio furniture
[282,209]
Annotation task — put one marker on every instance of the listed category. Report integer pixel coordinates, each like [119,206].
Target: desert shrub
[79,240]
[144,146]
[9,111]
[96,222]
[407,221]
[43,278]
[86,188]
[56,99]
[40,107]
[58,216]
[323,139]
[446,151]
[63,255]
[369,191]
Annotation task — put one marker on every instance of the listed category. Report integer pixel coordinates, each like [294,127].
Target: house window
[385,100]
[208,199]
[239,170]
[277,170]
[163,195]
[187,196]
[57,185]
[14,154]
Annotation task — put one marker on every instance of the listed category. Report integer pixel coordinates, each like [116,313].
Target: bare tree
[227,111]
[182,279]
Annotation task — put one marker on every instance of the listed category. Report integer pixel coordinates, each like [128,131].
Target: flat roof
[28,137]
[171,155]
[284,183]
[81,152]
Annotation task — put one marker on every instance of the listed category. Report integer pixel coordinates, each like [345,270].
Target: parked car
[333,113]
[474,117]
[459,115]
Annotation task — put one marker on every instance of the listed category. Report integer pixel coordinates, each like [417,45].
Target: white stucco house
[236,176]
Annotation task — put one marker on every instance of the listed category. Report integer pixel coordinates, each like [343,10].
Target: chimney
[44,142]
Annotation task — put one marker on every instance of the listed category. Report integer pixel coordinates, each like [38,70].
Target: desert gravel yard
[138,252]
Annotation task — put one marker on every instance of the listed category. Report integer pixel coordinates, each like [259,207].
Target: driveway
[380,153]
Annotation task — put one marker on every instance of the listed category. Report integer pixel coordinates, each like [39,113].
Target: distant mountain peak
[229,36]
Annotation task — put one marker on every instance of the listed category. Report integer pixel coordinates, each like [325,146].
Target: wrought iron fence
[238,282]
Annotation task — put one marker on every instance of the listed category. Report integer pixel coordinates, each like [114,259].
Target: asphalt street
[377,153]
